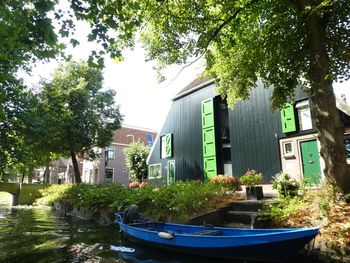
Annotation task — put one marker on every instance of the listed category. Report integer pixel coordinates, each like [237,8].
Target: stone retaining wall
[102,217]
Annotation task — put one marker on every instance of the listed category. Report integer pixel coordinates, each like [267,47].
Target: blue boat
[244,244]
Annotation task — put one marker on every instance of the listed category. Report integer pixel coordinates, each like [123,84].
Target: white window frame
[300,106]
[160,170]
[111,149]
[285,154]
[109,168]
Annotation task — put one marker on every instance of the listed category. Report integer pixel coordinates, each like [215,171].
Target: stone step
[243,217]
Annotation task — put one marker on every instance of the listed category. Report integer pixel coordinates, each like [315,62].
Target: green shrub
[180,200]
[230,182]
[52,193]
[285,185]
[136,160]
[251,178]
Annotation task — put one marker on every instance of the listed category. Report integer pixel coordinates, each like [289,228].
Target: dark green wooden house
[202,137]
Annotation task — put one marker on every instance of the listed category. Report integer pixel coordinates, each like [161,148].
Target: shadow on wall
[195,172]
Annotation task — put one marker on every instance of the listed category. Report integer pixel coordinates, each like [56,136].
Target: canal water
[40,235]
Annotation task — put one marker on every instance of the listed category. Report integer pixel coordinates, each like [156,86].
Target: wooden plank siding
[184,122]
[254,132]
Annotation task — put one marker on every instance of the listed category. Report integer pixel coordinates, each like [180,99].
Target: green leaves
[135,158]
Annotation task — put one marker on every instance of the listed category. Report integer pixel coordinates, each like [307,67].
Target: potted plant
[285,185]
[251,179]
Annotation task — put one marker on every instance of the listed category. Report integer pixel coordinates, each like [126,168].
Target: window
[85,178]
[287,148]
[149,137]
[155,171]
[109,175]
[96,176]
[304,115]
[90,177]
[347,146]
[110,153]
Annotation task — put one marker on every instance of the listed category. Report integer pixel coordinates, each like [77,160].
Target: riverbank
[176,203]
[179,203]
[324,207]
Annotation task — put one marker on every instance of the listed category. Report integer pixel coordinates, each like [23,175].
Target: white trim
[120,144]
[107,150]
[149,170]
[285,154]
[207,83]
[302,103]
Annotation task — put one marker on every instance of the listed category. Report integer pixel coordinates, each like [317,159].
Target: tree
[282,43]
[135,158]
[77,116]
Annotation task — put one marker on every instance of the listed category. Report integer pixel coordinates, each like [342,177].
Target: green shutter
[210,167]
[209,142]
[167,146]
[288,118]
[207,114]
[208,136]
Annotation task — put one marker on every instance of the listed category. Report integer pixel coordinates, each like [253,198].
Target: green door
[171,172]
[310,159]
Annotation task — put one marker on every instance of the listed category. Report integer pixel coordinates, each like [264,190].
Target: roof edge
[195,88]
[343,106]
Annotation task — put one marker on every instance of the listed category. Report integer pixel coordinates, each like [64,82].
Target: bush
[285,185]
[229,182]
[52,193]
[181,200]
[137,184]
[251,178]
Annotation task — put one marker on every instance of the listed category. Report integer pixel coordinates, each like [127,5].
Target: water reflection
[40,235]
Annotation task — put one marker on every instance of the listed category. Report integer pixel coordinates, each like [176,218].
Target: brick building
[111,167]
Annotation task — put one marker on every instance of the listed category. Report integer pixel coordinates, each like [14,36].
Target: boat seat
[207,232]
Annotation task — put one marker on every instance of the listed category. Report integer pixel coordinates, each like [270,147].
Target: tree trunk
[47,171]
[23,174]
[323,106]
[75,167]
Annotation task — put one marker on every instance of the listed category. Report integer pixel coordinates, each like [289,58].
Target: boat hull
[276,252]
[245,244]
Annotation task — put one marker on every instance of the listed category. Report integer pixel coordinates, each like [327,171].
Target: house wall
[254,133]
[184,122]
[121,140]
[292,164]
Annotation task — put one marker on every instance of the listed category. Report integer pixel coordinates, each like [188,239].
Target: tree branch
[234,15]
